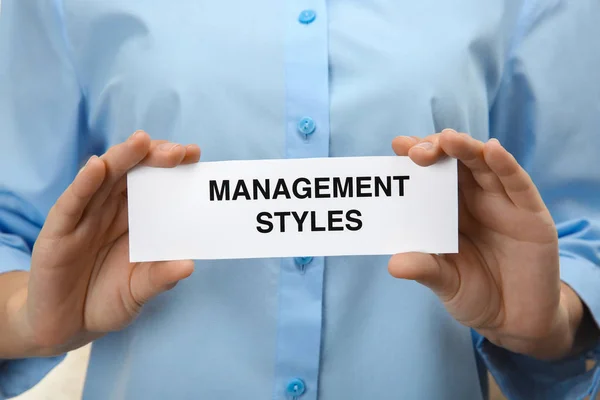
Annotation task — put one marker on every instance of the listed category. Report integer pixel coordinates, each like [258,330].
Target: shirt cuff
[18,376]
[583,276]
[522,377]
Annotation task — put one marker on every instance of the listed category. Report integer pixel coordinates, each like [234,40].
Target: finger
[429,270]
[427,151]
[150,279]
[168,160]
[470,152]
[120,223]
[119,160]
[467,224]
[165,155]
[516,181]
[402,144]
[156,143]
[68,209]
[466,181]
[192,154]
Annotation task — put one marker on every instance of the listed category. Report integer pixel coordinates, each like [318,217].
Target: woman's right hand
[81,284]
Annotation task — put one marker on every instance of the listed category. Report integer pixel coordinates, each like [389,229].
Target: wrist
[558,339]
[585,333]
[564,339]
[16,314]
[575,311]
[18,338]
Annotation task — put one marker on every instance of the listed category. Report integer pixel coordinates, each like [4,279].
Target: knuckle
[50,336]
[61,208]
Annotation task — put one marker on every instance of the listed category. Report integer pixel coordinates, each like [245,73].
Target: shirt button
[306,126]
[303,261]
[307,17]
[295,388]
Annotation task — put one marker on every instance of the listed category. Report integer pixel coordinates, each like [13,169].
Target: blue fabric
[18,376]
[299,323]
[567,379]
[77,76]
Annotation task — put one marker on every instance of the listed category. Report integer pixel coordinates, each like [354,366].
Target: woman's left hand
[504,282]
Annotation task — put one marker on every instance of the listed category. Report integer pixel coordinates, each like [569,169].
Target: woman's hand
[81,283]
[504,282]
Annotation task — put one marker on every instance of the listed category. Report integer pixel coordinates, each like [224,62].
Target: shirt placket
[307,136]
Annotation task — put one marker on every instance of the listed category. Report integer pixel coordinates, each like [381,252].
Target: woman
[272,79]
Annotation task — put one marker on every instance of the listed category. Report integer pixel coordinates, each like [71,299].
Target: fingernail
[449,130]
[167,146]
[425,145]
[87,162]
[494,140]
[135,135]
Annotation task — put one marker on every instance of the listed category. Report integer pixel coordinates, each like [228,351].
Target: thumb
[150,279]
[433,271]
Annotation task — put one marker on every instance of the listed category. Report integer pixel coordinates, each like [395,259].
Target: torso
[214,73]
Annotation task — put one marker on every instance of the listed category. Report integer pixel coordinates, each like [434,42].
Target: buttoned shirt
[271,79]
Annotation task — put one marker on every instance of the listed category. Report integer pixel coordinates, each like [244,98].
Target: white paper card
[289,208]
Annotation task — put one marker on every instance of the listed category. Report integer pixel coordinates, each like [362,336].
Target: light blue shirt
[237,78]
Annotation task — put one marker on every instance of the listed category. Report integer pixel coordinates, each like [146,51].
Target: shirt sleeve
[40,109]
[547,114]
